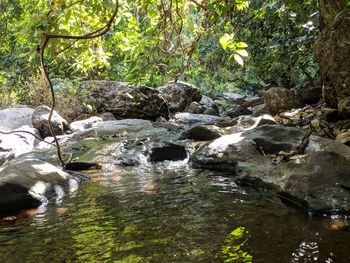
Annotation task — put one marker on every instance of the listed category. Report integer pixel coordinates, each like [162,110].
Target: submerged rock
[30,183]
[40,121]
[133,152]
[316,179]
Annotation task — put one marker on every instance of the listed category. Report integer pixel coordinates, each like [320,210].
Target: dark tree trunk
[333,51]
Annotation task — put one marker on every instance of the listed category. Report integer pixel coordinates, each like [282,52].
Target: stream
[170,212]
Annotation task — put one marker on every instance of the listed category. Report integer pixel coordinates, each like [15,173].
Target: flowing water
[170,213]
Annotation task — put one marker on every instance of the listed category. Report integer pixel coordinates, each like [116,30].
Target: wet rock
[237,111]
[19,142]
[226,152]
[344,108]
[29,183]
[86,124]
[40,121]
[280,99]
[179,95]
[133,152]
[13,118]
[202,133]
[124,101]
[185,118]
[317,181]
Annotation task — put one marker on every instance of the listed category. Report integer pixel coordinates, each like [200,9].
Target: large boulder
[13,118]
[316,179]
[280,99]
[179,95]
[30,183]
[19,141]
[40,121]
[125,101]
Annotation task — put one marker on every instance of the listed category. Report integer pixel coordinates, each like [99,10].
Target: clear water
[170,214]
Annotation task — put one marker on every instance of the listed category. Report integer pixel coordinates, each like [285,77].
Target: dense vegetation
[217,45]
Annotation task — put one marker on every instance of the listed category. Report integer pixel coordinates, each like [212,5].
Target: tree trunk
[333,51]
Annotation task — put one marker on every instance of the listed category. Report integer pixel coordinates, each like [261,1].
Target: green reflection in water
[235,246]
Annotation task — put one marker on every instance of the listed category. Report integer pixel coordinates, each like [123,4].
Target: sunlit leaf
[241,45]
[242,52]
[239,59]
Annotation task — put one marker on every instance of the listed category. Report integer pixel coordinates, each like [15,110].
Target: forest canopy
[217,45]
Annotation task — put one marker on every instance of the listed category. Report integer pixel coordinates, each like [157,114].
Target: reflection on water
[176,214]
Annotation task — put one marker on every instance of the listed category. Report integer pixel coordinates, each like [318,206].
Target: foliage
[153,41]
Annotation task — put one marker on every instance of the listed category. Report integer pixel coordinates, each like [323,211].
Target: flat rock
[186,118]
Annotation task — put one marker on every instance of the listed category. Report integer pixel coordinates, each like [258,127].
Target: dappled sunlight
[223,142]
[47,168]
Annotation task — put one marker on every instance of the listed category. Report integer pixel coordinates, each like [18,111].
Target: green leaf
[239,59]
[108,4]
[224,41]
[241,45]
[242,52]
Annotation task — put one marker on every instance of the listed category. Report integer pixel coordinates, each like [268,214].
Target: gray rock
[86,124]
[318,181]
[13,118]
[40,121]
[237,111]
[124,101]
[280,99]
[120,127]
[202,133]
[233,97]
[208,103]
[19,142]
[29,183]
[185,118]
[179,95]
[211,111]
[194,107]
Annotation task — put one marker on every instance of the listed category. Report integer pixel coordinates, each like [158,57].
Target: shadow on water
[170,214]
